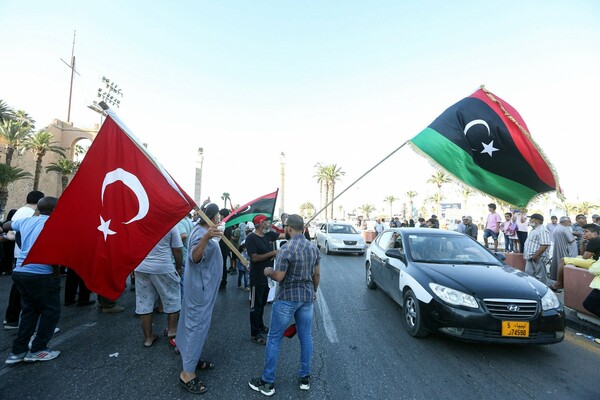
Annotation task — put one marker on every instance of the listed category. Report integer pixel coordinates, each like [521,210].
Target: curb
[574,321]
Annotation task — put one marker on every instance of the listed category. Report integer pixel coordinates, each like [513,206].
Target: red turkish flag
[120,203]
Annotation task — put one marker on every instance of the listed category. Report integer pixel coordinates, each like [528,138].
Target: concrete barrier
[515,260]
[577,287]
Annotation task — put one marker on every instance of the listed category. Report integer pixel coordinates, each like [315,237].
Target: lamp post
[109,95]
[282,191]
[198,186]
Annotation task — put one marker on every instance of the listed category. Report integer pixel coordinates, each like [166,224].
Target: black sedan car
[448,283]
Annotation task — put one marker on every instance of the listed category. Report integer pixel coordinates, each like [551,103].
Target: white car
[340,237]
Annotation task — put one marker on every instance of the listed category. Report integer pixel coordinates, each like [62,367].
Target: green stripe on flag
[460,164]
[247,218]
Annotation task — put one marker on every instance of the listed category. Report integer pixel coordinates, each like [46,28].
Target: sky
[337,82]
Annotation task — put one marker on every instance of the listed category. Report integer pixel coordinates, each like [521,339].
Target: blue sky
[342,82]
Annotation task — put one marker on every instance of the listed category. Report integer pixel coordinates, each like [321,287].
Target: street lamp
[282,163]
[198,186]
[110,93]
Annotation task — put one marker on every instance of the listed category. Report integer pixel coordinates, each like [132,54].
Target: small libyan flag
[263,205]
[483,142]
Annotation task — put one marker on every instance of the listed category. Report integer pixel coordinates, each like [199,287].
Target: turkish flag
[120,203]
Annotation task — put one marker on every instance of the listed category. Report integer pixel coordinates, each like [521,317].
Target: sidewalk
[580,322]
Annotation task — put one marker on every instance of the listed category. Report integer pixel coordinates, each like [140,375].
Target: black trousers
[13,310]
[592,302]
[73,284]
[258,301]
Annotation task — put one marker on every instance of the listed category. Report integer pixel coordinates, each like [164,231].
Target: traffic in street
[361,351]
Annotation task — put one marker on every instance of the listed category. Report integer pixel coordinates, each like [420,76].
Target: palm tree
[307,209]
[6,112]
[9,175]
[585,206]
[14,134]
[64,167]
[24,119]
[320,177]
[332,173]
[411,197]
[570,209]
[436,199]
[390,200]
[225,197]
[40,143]
[439,179]
[367,209]
[466,192]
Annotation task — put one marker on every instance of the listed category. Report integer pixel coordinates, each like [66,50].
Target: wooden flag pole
[353,183]
[227,242]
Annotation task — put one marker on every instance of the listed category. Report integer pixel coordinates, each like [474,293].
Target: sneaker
[266,388]
[42,355]
[11,325]
[305,383]
[114,309]
[15,358]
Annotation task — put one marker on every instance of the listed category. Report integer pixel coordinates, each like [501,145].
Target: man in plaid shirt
[297,271]
[536,248]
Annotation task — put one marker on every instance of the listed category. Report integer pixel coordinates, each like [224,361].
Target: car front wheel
[413,319]
[370,282]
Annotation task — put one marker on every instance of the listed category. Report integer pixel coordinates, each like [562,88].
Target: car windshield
[342,228]
[448,249]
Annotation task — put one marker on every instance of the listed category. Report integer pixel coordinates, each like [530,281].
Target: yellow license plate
[515,328]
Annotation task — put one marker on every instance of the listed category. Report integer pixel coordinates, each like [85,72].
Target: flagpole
[353,183]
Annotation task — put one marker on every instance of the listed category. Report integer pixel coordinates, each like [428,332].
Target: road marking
[327,320]
[580,341]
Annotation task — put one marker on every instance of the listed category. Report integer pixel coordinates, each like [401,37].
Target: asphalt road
[361,351]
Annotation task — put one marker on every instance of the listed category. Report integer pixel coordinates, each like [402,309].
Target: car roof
[428,231]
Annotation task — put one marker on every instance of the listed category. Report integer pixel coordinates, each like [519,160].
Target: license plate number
[515,328]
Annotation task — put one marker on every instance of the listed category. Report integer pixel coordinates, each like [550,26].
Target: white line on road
[327,320]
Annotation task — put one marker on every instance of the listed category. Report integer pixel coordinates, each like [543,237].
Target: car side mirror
[395,253]
[500,256]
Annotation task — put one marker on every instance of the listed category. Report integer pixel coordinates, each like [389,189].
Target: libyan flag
[263,205]
[483,142]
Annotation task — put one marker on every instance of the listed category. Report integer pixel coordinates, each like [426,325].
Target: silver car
[340,237]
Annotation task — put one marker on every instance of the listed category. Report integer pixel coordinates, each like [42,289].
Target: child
[242,269]
[509,228]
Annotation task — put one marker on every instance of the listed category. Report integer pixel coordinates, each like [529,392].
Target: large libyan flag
[483,142]
[263,205]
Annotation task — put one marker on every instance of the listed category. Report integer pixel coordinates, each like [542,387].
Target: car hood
[485,281]
[346,236]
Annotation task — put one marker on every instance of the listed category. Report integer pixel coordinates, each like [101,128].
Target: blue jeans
[281,316]
[40,300]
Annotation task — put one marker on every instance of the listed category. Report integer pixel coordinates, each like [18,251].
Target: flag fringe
[558,189]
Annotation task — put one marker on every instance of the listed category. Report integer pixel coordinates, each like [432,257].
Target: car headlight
[550,301]
[454,297]
[361,241]
[336,240]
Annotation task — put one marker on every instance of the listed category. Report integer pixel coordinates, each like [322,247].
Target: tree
[411,199]
[439,179]
[9,175]
[466,192]
[14,134]
[41,143]
[307,209]
[332,173]
[584,207]
[6,112]
[436,199]
[390,200]
[570,209]
[225,197]
[24,119]
[367,209]
[320,177]
[64,167]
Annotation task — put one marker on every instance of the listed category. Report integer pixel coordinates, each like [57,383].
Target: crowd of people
[181,276]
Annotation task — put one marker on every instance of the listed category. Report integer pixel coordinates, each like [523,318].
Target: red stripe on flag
[527,149]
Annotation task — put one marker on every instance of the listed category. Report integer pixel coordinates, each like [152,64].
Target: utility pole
[198,183]
[282,189]
[73,72]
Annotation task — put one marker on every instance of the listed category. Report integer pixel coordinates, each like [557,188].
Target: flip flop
[205,365]
[195,385]
[154,339]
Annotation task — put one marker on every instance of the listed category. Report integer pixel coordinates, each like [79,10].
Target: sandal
[258,339]
[195,385]
[205,365]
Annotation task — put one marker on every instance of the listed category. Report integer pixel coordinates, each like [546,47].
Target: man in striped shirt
[536,248]
[297,270]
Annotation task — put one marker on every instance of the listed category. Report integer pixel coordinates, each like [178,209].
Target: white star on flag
[488,148]
[104,228]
